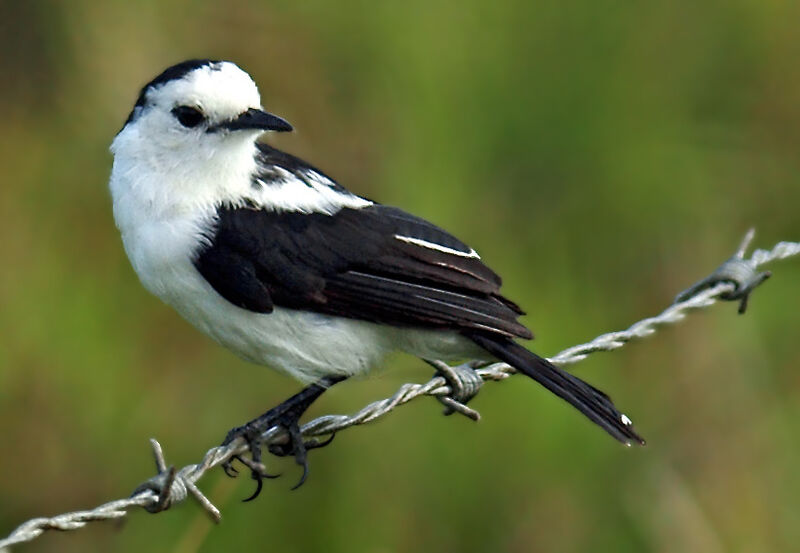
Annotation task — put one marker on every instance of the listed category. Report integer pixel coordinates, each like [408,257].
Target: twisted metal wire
[172,486]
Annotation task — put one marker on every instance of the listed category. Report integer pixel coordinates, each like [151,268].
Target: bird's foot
[286,416]
[251,433]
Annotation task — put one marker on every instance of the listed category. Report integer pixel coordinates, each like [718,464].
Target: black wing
[377,263]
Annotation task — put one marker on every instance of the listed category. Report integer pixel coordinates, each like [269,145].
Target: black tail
[587,399]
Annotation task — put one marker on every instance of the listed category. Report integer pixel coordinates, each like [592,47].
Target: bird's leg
[286,415]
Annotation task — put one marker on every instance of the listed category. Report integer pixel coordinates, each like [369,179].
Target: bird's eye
[188,116]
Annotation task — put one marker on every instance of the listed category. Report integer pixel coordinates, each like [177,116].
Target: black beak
[256,119]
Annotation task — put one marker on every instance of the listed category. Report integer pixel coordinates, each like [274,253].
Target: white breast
[304,345]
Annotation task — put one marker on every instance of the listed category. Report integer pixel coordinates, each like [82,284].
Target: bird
[279,263]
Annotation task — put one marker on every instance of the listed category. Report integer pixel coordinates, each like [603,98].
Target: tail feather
[587,399]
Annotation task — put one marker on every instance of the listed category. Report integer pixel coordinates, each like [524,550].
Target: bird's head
[196,107]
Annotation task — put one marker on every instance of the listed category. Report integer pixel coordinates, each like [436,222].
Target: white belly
[302,344]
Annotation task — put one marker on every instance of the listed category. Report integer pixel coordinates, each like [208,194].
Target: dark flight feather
[351,264]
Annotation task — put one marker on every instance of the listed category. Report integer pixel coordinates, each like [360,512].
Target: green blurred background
[600,155]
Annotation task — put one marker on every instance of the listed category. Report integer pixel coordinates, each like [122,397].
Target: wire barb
[453,386]
[165,484]
[464,384]
[737,270]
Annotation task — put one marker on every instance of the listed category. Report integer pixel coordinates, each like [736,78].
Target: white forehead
[218,88]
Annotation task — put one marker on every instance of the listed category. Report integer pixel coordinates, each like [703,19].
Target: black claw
[255,468]
[257,471]
[302,478]
[228,467]
[259,484]
[300,456]
[229,470]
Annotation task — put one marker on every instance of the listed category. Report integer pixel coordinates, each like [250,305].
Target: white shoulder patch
[314,194]
[438,247]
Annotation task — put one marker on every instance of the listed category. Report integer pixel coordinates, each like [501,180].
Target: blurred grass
[601,156]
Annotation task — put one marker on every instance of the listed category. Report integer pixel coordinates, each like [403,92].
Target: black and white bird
[282,265]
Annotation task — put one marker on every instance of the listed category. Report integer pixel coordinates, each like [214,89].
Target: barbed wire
[453,386]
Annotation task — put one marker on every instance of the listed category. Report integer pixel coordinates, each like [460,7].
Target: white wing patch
[314,194]
[438,247]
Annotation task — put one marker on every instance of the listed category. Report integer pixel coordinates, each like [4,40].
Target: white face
[180,112]
[182,147]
